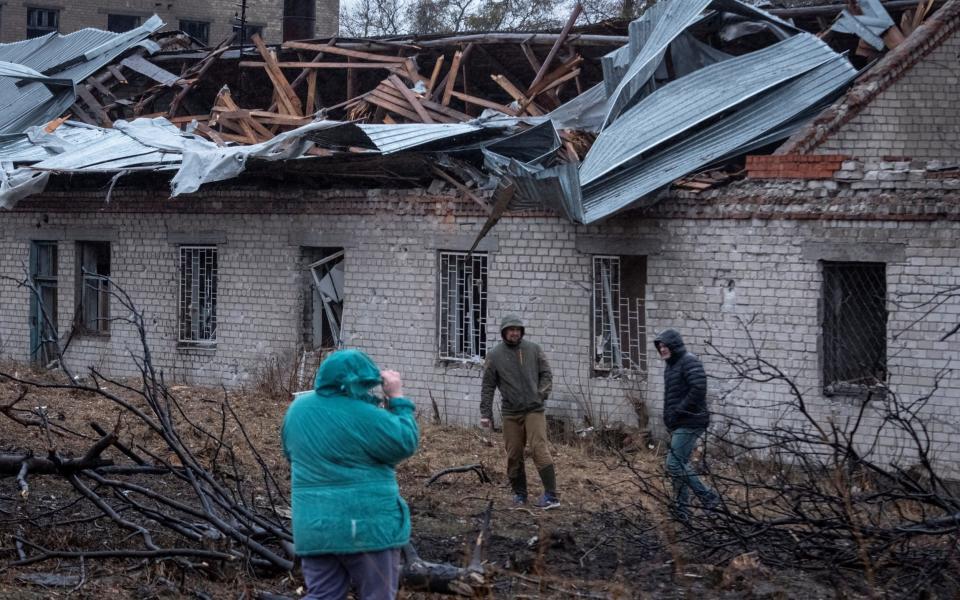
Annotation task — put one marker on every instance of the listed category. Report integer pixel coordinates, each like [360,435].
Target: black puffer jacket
[684,385]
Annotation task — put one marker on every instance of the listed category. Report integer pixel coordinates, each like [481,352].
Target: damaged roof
[582,123]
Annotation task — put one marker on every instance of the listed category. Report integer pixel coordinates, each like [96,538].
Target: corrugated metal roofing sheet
[75,56]
[695,99]
[752,120]
[655,29]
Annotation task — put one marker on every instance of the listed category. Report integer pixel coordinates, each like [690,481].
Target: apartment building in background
[210,22]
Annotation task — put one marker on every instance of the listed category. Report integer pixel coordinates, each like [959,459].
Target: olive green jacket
[523,376]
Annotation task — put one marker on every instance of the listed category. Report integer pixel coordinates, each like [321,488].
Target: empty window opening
[198,295]
[619,316]
[122,23]
[462,314]
[854,326]
[323,305]
[43,302]
[198,30]
[92,312]
[41,21]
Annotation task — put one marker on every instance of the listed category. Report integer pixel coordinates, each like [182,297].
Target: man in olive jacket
[686,416]
[520,370]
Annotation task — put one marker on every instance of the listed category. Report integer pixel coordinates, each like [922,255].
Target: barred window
[198,294]
[92,313]
[854,326]
[619,315]
[462,315]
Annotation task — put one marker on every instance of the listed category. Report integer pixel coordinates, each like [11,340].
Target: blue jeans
[375,575]
[682,476]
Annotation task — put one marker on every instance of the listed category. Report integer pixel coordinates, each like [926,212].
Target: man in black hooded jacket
[686,416]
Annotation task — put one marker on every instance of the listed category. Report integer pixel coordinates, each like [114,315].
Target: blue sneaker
[548,502]
[519,500]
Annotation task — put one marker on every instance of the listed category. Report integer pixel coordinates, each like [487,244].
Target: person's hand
[486,423]
[392,384]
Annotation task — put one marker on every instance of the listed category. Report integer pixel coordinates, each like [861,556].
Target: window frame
[476,309]
[191,331]
[137,21]
[35,29]
[102,318]
[205,39]
[632,335]
[836,277]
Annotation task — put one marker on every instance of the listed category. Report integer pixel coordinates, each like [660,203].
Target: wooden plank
[558,82]
[463,189]
[246,125]
[531,57]
[451,77]
[91,102]
[561,71]
[351,81]
[516,94]
[262,116]
[311,106]
[411,68]
[556,48]
[322,65]
[205,129]
[330,49]
[189,118]
[485,103]
[435,74]
[411,98]
[387,103]
[52,125]
[439,112]
[81,114]
[106,92]
[117,74]
[287,97]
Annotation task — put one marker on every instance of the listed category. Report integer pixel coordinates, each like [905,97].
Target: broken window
[122,23]
[93,293]
[854,326]
[198,30]
[198,294]
[43,302]
[619,315]
[462,314]
[323,306]
[41,21]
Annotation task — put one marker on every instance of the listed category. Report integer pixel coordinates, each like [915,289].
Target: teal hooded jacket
[342,449]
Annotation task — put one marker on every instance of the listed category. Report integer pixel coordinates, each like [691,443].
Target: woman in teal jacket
[349,521]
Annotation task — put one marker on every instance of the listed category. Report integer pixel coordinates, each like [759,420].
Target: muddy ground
[605,541]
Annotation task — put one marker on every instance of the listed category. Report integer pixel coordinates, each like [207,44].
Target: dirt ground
[605,541]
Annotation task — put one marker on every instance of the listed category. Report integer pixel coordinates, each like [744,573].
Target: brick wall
[709,273]
[918,116]
[219,13]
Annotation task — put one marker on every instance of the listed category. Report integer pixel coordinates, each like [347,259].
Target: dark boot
[549,478]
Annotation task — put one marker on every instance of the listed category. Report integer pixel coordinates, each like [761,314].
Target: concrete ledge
[489,243]
[196,237]
[855,252]
[618,245]
[53,234]
[91,234]
[320,239]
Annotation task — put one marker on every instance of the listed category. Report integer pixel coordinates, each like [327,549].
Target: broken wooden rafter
[331,49]
[84,93]
[435,74]
[288,99]
[463,189]
[323,65]
[485,103]
[522,101]
[411,99]
[451,77]
[556,76]
[262,116]
[577,9]
[247,125]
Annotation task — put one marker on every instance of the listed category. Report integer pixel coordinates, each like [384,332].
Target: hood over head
[512,321]
[671,339]
[347,373]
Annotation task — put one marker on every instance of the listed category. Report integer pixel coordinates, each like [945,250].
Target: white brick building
[773,257]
